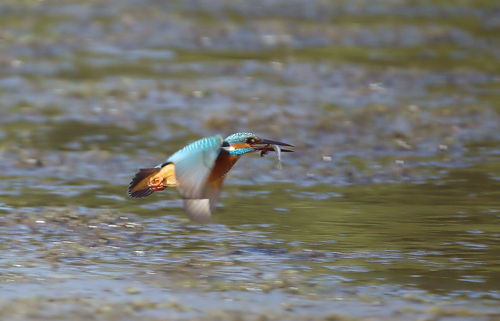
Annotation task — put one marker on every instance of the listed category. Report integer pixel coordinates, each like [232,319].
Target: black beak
[265,144]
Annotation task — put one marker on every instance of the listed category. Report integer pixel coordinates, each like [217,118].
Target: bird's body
[198,171]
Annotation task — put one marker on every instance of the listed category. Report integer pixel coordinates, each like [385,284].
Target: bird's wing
[201,209]
[193,164]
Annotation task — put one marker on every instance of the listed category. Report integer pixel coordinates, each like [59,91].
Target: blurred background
[390,202]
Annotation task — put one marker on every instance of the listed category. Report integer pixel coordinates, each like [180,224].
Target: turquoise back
[208,147]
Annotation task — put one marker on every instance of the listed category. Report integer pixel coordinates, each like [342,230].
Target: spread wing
[201,209]
[193,165]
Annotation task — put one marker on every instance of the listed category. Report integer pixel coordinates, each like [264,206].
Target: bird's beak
[266,144]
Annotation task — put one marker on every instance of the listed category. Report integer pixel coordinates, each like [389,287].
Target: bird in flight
[198,170]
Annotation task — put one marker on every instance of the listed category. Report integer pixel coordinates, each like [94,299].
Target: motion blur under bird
[198,170]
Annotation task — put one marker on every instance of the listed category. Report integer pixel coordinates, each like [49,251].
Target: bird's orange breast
[223,164]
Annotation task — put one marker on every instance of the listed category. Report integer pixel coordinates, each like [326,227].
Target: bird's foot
[156,184]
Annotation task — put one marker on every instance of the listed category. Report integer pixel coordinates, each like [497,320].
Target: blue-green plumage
[239,138]
[241,151]
[210,146]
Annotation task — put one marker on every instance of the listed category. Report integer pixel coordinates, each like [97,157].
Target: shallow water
[415,247]
[388,210]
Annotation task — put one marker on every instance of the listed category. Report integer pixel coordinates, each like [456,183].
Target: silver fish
[277,149]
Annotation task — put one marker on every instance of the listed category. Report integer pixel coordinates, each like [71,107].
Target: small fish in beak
[271,145]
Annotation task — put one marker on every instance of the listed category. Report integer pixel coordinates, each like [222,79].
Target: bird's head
[243,143]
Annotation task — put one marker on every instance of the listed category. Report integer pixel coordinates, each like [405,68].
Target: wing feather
[202,209]
[138,186]
[193,165]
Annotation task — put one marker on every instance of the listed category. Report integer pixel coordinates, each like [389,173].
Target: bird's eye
[249,140]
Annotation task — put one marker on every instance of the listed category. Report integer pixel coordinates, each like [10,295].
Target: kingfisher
[199,169]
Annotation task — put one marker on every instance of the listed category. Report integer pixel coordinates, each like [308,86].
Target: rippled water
[389,208]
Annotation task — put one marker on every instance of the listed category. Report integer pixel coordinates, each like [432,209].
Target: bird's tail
[148,180]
